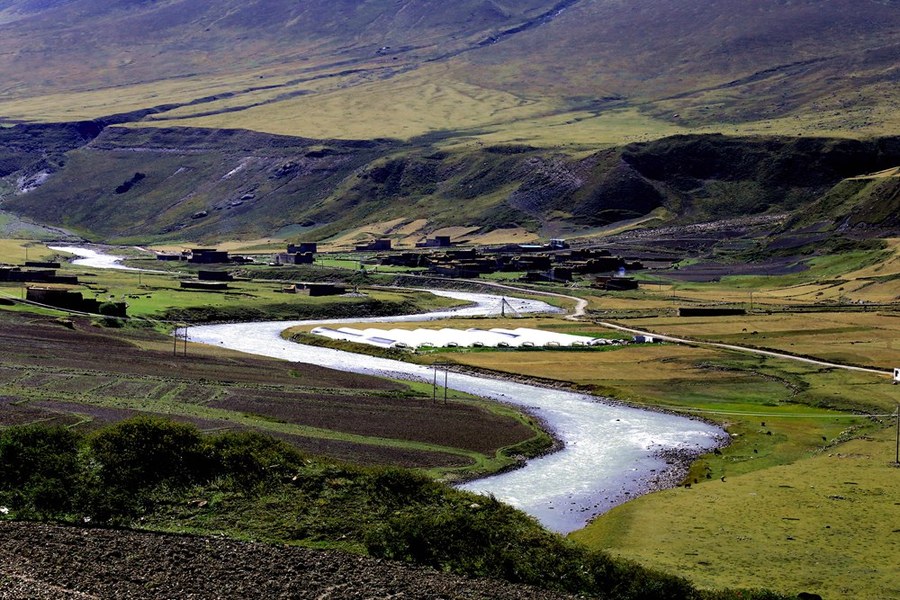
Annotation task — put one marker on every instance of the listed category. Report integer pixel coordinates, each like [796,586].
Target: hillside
[152,184]
[284,118]
[550,71]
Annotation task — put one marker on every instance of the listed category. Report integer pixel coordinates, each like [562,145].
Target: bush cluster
[117,472]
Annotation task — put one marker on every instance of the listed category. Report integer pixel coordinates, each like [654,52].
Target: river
[611,453]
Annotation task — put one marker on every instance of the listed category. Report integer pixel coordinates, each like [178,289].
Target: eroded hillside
[201,184]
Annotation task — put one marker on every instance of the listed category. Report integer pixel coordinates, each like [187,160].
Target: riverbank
[609,451]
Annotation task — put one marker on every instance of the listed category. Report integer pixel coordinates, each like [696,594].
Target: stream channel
[611,453]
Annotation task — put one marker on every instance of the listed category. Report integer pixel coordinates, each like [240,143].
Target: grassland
[812,447]
[826,524]
[782,499]
[411,107]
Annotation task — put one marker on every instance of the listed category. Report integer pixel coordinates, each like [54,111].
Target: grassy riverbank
[811,450]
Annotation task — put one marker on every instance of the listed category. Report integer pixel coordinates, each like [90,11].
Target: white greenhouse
[452,338]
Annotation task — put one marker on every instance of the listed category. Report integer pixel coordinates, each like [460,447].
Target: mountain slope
[73,45]
[802,66]
[478,113]
[199,184]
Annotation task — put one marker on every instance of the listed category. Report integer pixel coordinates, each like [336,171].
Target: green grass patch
[819,525]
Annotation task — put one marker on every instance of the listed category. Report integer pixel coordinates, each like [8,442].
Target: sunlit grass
[824,525]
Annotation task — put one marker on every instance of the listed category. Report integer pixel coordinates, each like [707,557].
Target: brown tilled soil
[39,561]
[69,372]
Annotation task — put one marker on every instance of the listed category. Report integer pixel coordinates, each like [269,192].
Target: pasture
[827,525]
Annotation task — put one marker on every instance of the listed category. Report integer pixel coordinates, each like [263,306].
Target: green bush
[250,459]
[482,537]
[398,488]
[134,457]
[39,469]
[155,468]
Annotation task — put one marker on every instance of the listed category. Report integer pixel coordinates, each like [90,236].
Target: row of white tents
[463,338]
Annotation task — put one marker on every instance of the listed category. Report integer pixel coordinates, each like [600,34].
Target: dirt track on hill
[44,562]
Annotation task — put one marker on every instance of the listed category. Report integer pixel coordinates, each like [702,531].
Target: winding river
[611,453]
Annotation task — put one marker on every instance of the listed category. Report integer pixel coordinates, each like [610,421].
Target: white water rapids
[611,453]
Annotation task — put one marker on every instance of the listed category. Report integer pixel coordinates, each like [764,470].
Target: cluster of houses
[550,262]
[297,254]
[36,272]
[202,256]
[44,272]
[538,264]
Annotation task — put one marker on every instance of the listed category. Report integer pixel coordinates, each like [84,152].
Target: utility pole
[897,450]
[436,366]
[175,341]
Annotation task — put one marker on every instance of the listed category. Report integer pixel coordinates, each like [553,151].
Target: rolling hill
[216,119]
[829,64]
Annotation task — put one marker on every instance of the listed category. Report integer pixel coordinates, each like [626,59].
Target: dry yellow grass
[405,234]
[865,338]
[513,235]
[890,266]
[886,174]
[15,251]
[401,107]
[638,363]
[358,106]
[103,102]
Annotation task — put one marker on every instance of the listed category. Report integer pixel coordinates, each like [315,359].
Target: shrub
[135,456]
[250,459]
[39,469]
[398,488]
[482,537]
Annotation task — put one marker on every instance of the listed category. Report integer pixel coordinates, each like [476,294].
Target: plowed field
[75,373]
